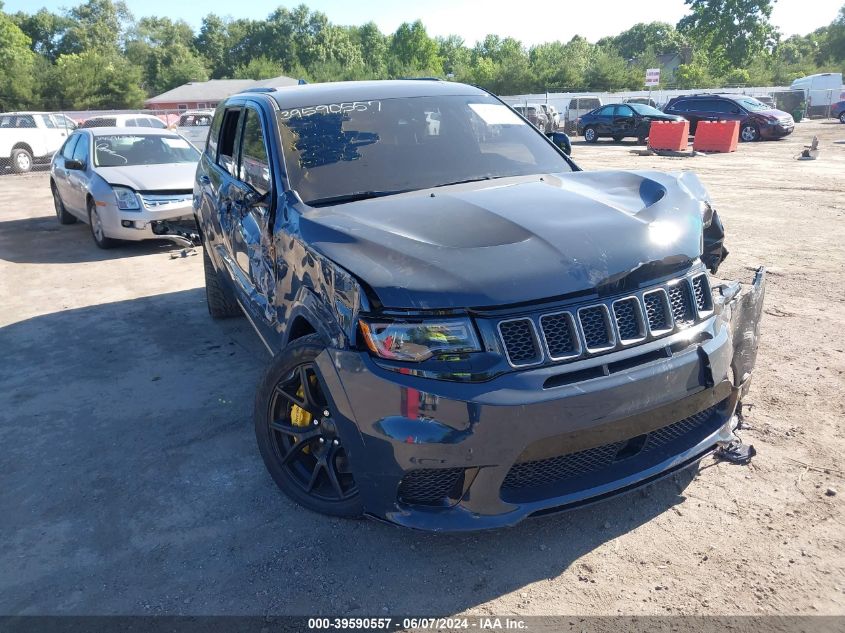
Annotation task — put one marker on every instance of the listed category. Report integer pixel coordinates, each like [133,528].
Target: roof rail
[259,89]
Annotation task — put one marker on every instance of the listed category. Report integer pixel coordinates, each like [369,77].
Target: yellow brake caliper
[299,416]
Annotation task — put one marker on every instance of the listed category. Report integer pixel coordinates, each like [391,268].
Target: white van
[820,91]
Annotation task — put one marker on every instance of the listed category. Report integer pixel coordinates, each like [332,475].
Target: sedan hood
[167,177]
[515,240]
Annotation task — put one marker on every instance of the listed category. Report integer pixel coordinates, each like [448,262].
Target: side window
[681,106]
[49,122]
[226,146]
[156,123]
[254,165]
[67,150]
[26,121]
[623,110]
[80,151]
[211,147]
[131,123]
[605,111]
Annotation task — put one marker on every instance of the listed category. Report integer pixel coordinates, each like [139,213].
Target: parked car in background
[27,138]
[641,100]
[578,107]
[766,100]
[466,328]
[552,117]
[837,111]
[125,120]
[756,120]
[194,125]
[127,185]
[535,115]
[621,120]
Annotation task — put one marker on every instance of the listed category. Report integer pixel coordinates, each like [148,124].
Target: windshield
[392,145]
[119,150]
[644,110]
[750,103]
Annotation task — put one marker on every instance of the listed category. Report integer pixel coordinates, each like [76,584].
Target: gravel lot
[131,484]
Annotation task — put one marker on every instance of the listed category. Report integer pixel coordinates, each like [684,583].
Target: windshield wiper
[461,182]
[352,197]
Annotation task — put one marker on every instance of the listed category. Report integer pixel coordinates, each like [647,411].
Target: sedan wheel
[61,213]
[98,232]
[842,118]
[590,135]
[298,435]
[749,133]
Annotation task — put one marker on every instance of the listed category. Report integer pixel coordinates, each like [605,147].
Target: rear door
[60,172]
[77,179]
[604,120]
[624,121]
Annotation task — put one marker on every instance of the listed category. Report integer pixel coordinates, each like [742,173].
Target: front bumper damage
[516,449]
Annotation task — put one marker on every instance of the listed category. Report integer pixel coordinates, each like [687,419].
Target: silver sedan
[126,184]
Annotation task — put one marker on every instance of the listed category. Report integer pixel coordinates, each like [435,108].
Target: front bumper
[174,222]
[520,449]
[777,130]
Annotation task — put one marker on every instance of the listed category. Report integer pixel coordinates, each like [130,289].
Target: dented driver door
[251,195]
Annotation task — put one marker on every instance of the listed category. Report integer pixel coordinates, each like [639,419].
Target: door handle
[204,180]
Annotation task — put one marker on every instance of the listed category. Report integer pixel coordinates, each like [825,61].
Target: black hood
[514,240]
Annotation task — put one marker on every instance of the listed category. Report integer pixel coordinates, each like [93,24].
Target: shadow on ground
[42,240]
[131,484]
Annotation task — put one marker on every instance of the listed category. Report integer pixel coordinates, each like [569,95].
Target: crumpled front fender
[743,309]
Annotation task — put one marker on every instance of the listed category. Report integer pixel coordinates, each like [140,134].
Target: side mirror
[74,164]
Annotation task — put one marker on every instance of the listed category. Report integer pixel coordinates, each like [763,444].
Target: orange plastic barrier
[716,136]
[669,135]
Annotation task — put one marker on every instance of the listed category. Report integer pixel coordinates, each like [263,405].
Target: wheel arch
[22,145]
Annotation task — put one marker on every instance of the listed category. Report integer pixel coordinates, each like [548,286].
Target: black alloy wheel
[298,436]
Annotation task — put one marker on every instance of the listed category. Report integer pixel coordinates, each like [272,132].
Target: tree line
[97,55]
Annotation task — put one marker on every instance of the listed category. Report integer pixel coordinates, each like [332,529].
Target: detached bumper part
[447,456]
[179,233]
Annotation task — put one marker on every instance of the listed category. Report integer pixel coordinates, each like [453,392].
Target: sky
[472,19]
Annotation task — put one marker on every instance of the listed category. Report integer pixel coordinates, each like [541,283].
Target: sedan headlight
[126,199]
[419,341]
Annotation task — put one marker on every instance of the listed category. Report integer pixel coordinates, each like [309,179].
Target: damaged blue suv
[466,328]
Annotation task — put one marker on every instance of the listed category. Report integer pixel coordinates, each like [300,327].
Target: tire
[748,133]
[21,161]
[61,213]
[97,231]
[590,134]
[310,466]
[842,117]
[221,303]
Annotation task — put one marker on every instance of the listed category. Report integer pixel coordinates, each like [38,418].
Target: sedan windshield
[118,150]
[749,103]
[344,151]
[644,110]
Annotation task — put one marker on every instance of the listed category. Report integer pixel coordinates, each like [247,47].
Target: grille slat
[626,312]
[562,467]
[655,305]
[561,341]
[679,299]
[703,298]
[594,325]
[520,342]
[430,486]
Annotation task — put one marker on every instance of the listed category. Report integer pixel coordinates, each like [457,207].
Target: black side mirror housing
[74,164]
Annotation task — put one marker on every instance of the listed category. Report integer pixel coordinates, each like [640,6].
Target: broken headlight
[126,199]
[419,341]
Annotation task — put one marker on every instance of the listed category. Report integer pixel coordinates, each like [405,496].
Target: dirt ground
[130,482]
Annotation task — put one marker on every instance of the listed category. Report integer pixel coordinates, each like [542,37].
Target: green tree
[731,31]
[163,49]
[258,68]
[96,25]
[45,29]
[645,38]
[17,79]
[412,51]
[456,57]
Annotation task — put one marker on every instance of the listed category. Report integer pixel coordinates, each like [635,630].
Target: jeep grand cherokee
[466,328]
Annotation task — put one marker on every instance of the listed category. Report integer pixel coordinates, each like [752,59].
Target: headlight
[402,340]
[126,199]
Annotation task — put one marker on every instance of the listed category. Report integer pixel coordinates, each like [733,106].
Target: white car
[127,184]
[27,138]
[125,120]
[194,126]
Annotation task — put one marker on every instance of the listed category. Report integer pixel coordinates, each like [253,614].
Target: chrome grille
[679,299]
[593,329]
[520,342]
[596,327]
[559,334]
